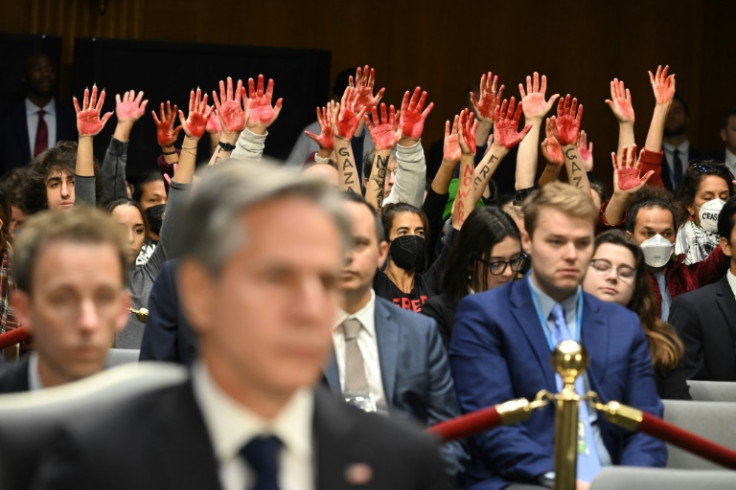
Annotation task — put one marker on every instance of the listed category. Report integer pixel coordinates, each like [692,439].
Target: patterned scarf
[694,242]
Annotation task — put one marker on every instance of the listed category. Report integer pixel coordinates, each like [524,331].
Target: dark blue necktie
[262,455]
[677,170]
[589,463]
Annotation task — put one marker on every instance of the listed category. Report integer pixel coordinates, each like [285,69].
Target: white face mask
[708,215]
[657,251]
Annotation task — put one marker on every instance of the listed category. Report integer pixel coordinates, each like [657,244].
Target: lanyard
[543,321]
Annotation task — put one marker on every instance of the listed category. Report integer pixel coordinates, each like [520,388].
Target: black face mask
[155,217]
[408,252]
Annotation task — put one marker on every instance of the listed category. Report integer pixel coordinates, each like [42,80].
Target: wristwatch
[547,480]
[226,146]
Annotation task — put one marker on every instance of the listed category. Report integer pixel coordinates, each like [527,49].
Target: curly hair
[61,157]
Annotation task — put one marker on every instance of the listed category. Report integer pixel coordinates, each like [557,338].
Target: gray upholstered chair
[31,422]
[116,357]
[712,420]
[713,391]
[634,478]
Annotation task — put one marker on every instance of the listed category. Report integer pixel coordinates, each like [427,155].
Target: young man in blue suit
[501,344]
[403,366]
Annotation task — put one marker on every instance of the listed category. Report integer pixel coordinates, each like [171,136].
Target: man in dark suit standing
[386,359]
[502,340]
[37,122]
[705,318]
[678,153]
[259,282]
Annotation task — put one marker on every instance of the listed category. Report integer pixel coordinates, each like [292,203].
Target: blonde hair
[563,197]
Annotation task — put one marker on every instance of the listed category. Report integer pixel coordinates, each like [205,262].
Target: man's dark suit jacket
[15,150]
[499,352]
[694,155]
[414,370]
[14,376]
[705,319]
[159,440]
[168,336]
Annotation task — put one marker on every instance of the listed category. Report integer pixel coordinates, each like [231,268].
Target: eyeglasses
[623,272]
[499,267]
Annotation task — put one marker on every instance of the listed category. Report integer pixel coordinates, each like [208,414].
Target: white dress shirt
[34,378]
[231,426]
[368,345]
[684,151]
[32,122]
[731,282]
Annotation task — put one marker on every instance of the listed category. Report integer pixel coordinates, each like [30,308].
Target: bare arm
[535,108]
[663,86]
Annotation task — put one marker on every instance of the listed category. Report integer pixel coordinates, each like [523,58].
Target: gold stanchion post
[569,360]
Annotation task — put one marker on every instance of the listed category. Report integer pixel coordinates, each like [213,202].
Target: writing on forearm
[381,164]
[575,171]
[219,156]
[348,169]
[485,172]
[466,185]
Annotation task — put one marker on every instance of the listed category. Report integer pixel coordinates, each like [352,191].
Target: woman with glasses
[705,188]
[617,273]
[486,254]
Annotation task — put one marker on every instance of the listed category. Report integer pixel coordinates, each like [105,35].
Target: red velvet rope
[467,425]
[12,337]
[688,441]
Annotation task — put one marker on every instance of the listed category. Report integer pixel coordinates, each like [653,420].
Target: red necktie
[42,135]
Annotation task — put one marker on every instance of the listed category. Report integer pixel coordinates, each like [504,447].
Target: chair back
[712,420]
[30,422]
[713,391]
[635,478]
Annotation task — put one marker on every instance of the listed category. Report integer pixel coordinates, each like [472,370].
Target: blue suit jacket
[167,335]
[415,372]
[499,352]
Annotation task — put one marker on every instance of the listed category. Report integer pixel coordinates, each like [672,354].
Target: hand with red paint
[214,127]
[165,132]
[130,107]
[451,148]
[466,132]
[551,149]
[344,120]
[620,102]
[490,97]
[89,122]
[325,139]
[585,150]
[532,100]
[195,123]
[385,130]
[232,106]
[626,178]
[363,84]
[506,124]
[566,126]
[412,117]
[663,85]
[262,113]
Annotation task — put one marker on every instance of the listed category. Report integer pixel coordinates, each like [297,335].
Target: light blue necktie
[665,293]
[588,464]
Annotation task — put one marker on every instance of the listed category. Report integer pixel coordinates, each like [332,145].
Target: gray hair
[213,231]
